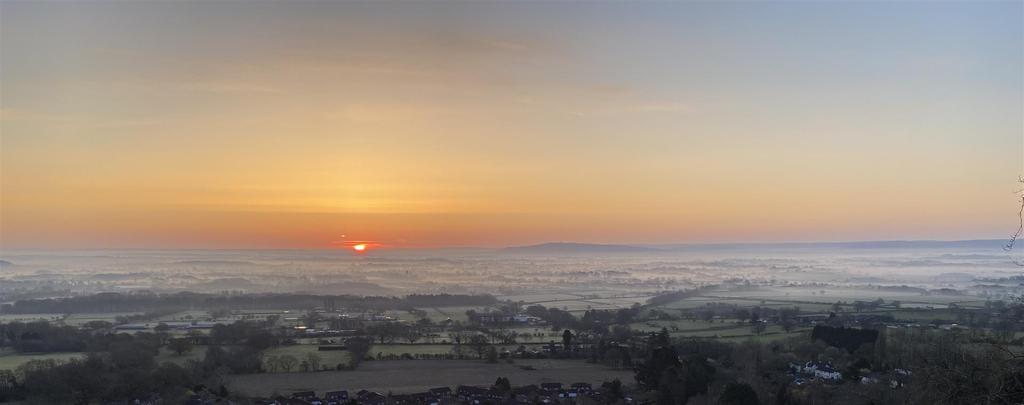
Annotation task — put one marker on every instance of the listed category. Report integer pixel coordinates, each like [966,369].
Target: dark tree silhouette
[1020,224]
[738,394]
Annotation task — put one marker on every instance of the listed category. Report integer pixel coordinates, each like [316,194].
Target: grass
[439,314]
[82,319]
[440,349]
[411,349]
[407,376]
[193,315]
[10,360]
[924,315]
[540,298]
[329,358]
[915,307]
[197,353]
[30,317]
[683,325]
[766,337]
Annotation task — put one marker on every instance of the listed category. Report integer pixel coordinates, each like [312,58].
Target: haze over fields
[580,270]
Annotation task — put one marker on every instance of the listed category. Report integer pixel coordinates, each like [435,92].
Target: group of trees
[556,318]
[846,338]
[673,378]
[449,300]
[606,318]
[144,302]
[673,296]
[286,362]
[43,337]
[125,370]
[916,366]
[120,366]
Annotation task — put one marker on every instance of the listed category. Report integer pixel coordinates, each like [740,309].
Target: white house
[820,370]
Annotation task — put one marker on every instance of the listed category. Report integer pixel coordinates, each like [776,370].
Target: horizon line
[642,244]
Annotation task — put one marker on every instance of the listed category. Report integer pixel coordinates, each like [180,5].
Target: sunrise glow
[359,247]
[465,124]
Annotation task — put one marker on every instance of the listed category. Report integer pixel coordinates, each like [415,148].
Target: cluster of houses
[545,393]
[173,325]
[895,379]
[814,370]
[824,372]
[503,318]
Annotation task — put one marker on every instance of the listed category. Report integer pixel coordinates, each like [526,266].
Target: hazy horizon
[994,243]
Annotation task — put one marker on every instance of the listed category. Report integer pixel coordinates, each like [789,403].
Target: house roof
[472,390]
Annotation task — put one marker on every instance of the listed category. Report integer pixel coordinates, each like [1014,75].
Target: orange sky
[265,125]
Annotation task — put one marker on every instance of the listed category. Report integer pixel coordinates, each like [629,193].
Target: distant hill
[591,248]
[588,248]
[994,244]
[212,263]
[5,263]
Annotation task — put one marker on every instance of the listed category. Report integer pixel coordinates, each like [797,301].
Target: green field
[82,319]
[327,358]
[30,317]
[541,298]
[197,353]
[184,316]
[407,376]
[411,349]
[768,336]
[831,295]
[914,307]
[439,349]
[440,314]
[10,360]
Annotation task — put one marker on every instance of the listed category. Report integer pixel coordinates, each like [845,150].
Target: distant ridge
[879,244]
[590,248]
[566,247]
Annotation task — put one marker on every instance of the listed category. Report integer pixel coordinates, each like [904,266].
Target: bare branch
[1020,224]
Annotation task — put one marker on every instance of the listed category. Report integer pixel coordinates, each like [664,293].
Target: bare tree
[314,360]
[288,362]
[180,345]
[479,344]
[412,335]
[272,362]
[1020,223]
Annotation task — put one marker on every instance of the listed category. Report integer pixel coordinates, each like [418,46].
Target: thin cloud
[665,107]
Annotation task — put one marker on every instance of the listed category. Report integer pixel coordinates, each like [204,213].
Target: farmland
[420,375]
[613,308]
[329,359]
[10,360]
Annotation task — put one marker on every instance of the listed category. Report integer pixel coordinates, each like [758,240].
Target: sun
[359,247]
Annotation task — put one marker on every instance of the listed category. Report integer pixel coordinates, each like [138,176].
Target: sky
[309,125]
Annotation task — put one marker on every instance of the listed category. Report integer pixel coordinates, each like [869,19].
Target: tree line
[163,303]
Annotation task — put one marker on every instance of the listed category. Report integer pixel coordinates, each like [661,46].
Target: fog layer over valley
[573,276]
[556,323]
